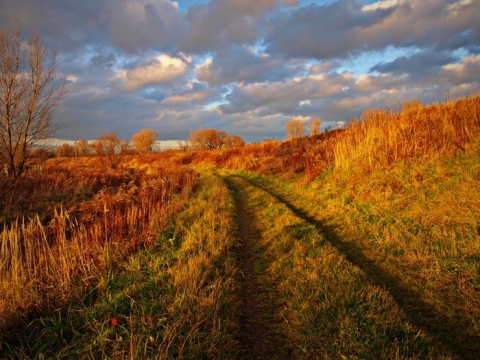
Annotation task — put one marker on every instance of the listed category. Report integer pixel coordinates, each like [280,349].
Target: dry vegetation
[378,139]
[89,221]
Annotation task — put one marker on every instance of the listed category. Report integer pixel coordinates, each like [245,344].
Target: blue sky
[248,66]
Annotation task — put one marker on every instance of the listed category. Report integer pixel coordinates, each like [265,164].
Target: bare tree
[144,140]
[65,150]
[107,148]
[295,129]
[314,126]
[82,148]
[29,95]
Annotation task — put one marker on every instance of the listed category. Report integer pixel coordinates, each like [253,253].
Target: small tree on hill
[82,148]
[295,129]
[233,141]
[65,150]
[314,126]
[107,148]
[144,140]
[207,139]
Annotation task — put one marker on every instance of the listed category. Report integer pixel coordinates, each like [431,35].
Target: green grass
[413,229]
[328,305]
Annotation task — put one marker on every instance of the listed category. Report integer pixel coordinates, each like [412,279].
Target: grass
[171,300]
[328,305]
[413,228]
[44,267]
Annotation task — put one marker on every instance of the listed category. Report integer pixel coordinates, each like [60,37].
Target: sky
[247,66]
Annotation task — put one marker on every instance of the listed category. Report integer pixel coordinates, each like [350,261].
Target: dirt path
[258,338]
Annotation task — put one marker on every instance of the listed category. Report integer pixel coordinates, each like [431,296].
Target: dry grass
[399,188]
[378,139]
[413,228]
[173,299]
[45,265]
[329,306]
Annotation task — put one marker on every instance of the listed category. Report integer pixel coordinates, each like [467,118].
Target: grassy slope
[378,256]
[413,229]
[328,306]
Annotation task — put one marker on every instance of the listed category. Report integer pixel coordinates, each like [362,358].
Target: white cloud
[383,4]
[72,78]
[185,98]
[162,69]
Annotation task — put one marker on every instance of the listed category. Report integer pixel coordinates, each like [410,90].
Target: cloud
[63,24]
[340,96]
[285,96]
[419,64]
[129,25]
[199,96]
[324,32]
[103,60]
[248,66]
[221,23]
[382,4]
[241,64]
[162,69]
[143,24]
[344,28]
[466,72]
[290,2]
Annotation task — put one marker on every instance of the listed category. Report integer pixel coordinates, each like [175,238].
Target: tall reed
[382,137]
[43,266]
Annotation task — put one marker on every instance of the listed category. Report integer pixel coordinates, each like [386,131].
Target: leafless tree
[82,148]
[107,148]
[295,129]
[29,95]
[144,140]
[314,126]
[65,150]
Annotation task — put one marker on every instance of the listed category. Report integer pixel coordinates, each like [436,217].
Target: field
[362,243]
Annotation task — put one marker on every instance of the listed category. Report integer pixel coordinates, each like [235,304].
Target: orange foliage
[379,138]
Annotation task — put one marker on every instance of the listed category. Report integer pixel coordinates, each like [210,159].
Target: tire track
[258,337]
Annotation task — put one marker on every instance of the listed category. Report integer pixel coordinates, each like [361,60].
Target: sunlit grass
[45,266]
[351,223]
[328,306]
[173,299]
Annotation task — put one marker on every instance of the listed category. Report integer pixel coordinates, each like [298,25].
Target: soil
[258,337]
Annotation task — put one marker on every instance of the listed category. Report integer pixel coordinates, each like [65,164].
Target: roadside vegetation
[365,243]
[170,299]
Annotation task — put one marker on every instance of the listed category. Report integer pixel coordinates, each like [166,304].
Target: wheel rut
[258,336]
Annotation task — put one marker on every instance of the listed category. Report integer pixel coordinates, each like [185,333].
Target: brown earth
[258,336]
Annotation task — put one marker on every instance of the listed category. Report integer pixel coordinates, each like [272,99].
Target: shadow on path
[258,338]
[452,333]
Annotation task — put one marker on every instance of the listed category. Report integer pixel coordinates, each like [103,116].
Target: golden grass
[45,265]
[378,139]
